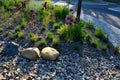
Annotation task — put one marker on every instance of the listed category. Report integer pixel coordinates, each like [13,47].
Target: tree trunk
[79,9]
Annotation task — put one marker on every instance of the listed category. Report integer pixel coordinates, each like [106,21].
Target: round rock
[49,53]
[30,53]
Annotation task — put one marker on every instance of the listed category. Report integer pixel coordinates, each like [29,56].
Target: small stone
[31,53]
[1,77]
[49,53]
[11,49]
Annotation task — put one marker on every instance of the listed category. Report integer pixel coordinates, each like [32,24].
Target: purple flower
[34,21]
[33,15]
[31,10]
[30,23]
[75,22]
[45,5]
[67,17]
[71,10]
[37,28]
[76,19]
[20,7]
[71,19]
[67,23]
[70,23]
[26,1]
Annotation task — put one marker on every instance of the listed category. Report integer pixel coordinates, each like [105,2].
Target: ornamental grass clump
[50,35]
[42,43]
[72,30]
[24,23]
[96,43]
[72,33]
[1,30]
[14,4]
[55,41]
[21,35]
[17,29]
[61,12]
[57,25]
[116,50]
[33,37]
[103,47]
[100,34]
[88,37]
[90,25]
[47,14]
[13,36]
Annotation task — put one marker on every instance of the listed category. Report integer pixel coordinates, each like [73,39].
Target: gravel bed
[86,64]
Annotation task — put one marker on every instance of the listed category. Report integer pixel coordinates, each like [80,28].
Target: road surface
[103,11]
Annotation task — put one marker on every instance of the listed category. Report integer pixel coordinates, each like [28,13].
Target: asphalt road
[100,10]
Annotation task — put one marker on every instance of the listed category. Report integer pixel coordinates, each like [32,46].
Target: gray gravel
[92,64]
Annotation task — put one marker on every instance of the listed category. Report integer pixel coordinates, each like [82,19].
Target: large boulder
[11,49]
[30,53]
[49,53]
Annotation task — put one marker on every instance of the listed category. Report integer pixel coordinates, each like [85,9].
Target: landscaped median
[46,41]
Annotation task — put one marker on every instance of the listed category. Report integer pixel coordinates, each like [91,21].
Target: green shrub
[33,37]
[104,47]
[6,33]
[88,37]
[2,8]
[24,23]
[10,3]
[21,35]
[1,30]
[116,49]
[17,29]
[52,21]
[9,25]
[57,25]
[70,33]
[61,11]
[43,28]
[96,43]
[90,25]
[34,5]
[46,19]
[55,41]
[42,43]
[13,35]
[100,34]
[50,35]
[41,38]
